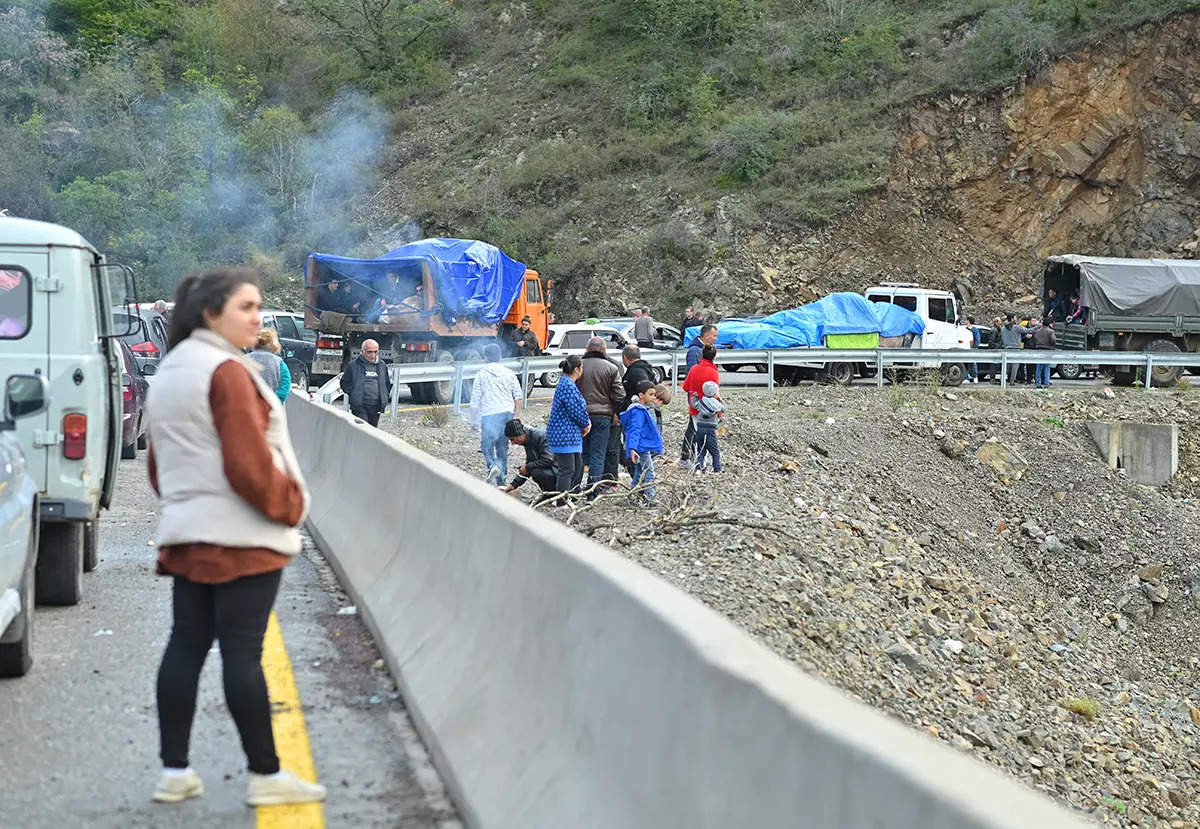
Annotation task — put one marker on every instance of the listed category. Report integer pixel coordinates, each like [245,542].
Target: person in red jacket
[693,385]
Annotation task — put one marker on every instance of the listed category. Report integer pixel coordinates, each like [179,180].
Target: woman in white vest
[232,497]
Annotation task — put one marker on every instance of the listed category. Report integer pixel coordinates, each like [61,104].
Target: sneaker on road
[175,786]
[494,476]
[282,787]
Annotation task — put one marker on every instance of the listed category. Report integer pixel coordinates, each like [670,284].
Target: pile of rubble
[961,560]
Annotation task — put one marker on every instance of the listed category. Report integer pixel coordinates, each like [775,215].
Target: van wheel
[60,564]
[1070,371]
[550,379]
[300,379]
[91,545]
[840,373]
[17,657]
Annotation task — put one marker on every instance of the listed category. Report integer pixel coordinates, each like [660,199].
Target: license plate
[329,352]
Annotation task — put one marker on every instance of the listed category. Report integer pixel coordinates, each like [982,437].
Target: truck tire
[442,391]
[1163,376]
[840,373]
[91,545]
[953,374]
[60,564]
[1123,376]
[419,392]
[16,658]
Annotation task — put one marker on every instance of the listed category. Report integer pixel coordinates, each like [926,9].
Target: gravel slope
[1039,618]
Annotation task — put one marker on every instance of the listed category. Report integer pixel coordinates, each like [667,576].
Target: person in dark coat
[539,460]
[636,370]
[525,341]
[366,384]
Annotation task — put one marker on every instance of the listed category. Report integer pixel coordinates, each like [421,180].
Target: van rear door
[25,340]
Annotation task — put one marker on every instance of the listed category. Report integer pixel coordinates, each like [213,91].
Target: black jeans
[372,418]
[568,471]
[236,614]
[688,447]
[612,458]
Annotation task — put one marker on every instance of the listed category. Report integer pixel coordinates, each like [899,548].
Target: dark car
[134,386]
[147,337]
[298,351]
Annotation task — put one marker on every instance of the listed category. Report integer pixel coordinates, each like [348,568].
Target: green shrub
[1007,44]
[699,23]
[744,149]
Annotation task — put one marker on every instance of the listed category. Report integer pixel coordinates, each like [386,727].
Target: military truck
[438,300]
[1129,305]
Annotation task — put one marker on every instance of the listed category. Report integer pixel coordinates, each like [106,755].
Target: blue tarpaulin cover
[471,279]
[841,313]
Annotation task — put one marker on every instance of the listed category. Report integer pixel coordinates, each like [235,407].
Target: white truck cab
[56,322]
[939,310]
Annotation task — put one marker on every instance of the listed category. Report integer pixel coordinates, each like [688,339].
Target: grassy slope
[597,140]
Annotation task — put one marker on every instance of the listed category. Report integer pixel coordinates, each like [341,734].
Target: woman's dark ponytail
[201,291]
[570,365]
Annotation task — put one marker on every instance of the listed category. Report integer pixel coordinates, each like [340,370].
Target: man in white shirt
[495,400]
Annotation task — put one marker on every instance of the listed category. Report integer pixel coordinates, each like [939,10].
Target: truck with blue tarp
[436,300]
[881,319]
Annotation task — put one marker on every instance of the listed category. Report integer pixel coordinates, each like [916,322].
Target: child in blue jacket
[642,439]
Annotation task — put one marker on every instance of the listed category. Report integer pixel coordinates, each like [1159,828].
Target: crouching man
[539,462]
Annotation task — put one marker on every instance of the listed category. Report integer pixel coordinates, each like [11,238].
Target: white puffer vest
[198,504]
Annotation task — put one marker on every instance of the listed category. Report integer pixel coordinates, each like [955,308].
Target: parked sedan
[567,339]
[25,395]
[134,428]
[147,334]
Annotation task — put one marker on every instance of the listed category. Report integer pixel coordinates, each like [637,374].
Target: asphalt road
[79,735]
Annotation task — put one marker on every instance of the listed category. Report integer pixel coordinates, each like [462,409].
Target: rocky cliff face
[1098,154]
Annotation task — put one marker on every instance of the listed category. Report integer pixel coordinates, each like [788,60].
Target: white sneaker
[174,787]
[494,476]
[282,787]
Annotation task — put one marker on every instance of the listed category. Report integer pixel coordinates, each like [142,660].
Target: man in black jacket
[636,370]
[366,384]
[539,462]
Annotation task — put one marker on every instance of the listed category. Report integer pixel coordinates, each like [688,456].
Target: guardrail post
[674,373]
[770,371]
[395,393]
[1149,368]
[878,368]
[458,383]
[524,382]
[1003,369]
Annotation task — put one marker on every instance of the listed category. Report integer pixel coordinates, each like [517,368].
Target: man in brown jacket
[601,388]
[1043,339]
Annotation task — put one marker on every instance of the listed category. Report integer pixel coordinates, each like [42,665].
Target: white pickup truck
[943,330]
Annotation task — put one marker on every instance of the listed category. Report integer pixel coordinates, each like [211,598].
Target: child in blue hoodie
[642,439]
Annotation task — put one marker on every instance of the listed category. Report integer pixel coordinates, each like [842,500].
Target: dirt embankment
[963,561]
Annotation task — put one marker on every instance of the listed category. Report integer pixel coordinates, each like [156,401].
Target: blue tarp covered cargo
[471,279]
[808,325]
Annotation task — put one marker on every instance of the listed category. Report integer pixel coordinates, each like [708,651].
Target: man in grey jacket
[1012,336]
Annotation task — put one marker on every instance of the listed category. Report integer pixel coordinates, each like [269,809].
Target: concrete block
[1148,452]
[558,684]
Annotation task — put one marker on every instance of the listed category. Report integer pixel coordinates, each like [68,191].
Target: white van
[939,309]
[56,321]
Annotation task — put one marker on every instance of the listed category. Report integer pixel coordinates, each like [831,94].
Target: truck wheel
[466,355]
[953,374]
[1122,377]
[840,373]
[91,545]
[442,391]
[60,564]
[1071,371]
[419,392]
[1164,375]
[17,657]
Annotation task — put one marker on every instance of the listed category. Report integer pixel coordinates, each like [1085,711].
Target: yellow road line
[291,736]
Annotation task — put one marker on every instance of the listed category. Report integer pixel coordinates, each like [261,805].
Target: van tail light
[146,349]
[74,436]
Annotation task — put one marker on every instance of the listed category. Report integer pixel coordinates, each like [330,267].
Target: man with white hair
[366,384]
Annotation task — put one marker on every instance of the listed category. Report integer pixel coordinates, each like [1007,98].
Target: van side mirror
[25,395]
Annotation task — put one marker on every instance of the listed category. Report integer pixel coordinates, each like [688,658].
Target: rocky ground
[961,560]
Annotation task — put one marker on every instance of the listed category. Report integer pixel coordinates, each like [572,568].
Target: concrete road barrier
[559,685]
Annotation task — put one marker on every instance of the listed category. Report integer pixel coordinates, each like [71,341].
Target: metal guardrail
[881,359]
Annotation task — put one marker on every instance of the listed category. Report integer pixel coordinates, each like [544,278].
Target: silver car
[25,395]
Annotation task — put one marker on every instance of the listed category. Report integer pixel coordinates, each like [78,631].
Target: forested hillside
[630,149]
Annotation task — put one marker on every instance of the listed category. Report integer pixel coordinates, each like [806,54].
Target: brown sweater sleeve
[152,470]
[240,416]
